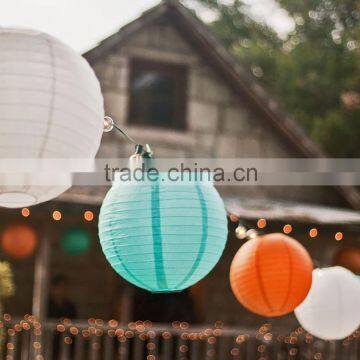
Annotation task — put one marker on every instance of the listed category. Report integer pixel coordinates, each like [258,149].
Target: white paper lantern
[331,311]
[51,107]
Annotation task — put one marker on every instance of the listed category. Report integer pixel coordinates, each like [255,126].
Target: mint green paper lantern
[75,241]
[160,236]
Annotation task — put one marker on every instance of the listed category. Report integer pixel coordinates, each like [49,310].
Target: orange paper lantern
[19,241]
[271,274]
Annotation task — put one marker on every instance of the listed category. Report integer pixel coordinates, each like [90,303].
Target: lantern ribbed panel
[163,237]
[50,107]
[271,274]
[331,310]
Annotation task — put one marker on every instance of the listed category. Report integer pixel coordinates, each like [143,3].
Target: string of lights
[242,232]
[88,215]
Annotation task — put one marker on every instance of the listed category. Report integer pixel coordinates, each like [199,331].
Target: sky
[83,23]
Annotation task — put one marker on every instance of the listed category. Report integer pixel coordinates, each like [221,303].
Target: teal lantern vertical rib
[157,238]
[204,233]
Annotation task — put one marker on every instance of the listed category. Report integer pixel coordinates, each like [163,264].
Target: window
[157,94]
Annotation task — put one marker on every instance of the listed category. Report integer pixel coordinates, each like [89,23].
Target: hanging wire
[109,125]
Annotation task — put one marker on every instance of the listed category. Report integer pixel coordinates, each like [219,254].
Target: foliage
[7,287]
[314,72]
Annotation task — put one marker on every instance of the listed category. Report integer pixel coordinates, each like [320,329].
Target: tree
[314,72]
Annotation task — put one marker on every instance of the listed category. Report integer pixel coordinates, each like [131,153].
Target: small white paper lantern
[331,310]
[51,107]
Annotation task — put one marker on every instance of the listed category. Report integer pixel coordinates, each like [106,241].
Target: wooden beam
[41,273]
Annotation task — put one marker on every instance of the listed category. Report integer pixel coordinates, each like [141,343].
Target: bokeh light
[287,229]
[339,236]
[88,215]
[25,212]
[261,223]
[313,232]
[57,215]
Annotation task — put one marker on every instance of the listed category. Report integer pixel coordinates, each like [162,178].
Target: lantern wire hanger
[144,151]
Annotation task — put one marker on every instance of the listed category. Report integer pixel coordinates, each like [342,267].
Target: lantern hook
[109,125]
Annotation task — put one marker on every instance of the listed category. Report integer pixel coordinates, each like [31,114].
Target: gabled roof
[237,77]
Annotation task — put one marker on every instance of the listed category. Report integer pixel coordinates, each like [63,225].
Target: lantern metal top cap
[145,152]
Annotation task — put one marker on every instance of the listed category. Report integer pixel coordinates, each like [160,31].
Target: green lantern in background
[75,241]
